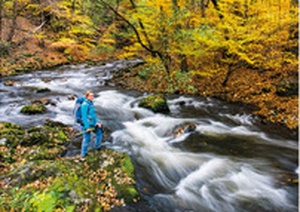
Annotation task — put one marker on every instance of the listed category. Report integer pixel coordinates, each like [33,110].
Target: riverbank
[257,90]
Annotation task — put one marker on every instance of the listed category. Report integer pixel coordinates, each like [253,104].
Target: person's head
[89,95]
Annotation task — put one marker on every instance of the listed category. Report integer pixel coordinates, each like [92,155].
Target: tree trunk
[215,3]
[14,22]
[184,64]
[246,9]
[183,58]
[229,72]
[294,2]
[1,12]
[203,8]
[163,58]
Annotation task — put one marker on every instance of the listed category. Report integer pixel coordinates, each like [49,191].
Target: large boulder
[46,142]
[157,103]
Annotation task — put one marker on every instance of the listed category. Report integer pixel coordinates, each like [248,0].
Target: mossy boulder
[34,108]
[31,171]
[10,134]
[42,142]
[10,137]
[36,178]
[48,141]
[44,135]
[157,103]
[96,184]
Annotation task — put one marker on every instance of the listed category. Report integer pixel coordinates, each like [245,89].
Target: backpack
[77,110]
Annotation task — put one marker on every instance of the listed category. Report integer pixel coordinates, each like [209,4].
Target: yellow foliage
[107,40]
[62,44]
[81,30]
[77,52]
[253,32]
[131,51]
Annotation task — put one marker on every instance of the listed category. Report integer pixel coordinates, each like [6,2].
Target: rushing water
[230,162]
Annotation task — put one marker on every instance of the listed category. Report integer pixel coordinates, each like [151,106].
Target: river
[231,162]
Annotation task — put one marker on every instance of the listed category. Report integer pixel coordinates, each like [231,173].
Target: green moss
[128,193]
[41,180]
[35,108]
[127,165]
[156,103]
[11,133]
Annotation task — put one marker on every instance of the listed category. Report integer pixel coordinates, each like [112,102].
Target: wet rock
[46,79]
[43,90]
[183,128]
[9,83]
[72,97]
[157,103]
[44,101]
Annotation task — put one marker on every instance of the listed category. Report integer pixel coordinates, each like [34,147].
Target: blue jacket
[88,114]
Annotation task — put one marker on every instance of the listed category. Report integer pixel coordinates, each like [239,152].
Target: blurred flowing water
[230,162]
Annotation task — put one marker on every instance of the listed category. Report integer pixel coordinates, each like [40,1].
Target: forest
[240,51]
[211,48]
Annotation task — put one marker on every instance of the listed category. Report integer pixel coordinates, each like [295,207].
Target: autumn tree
[226,36]
[160,28]
[254,34]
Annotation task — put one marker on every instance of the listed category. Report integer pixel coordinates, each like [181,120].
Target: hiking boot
[82,159]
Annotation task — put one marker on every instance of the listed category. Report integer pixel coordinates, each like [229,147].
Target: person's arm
[93,109]
[84,115]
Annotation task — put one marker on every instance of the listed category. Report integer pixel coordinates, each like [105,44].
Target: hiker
[90,124]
